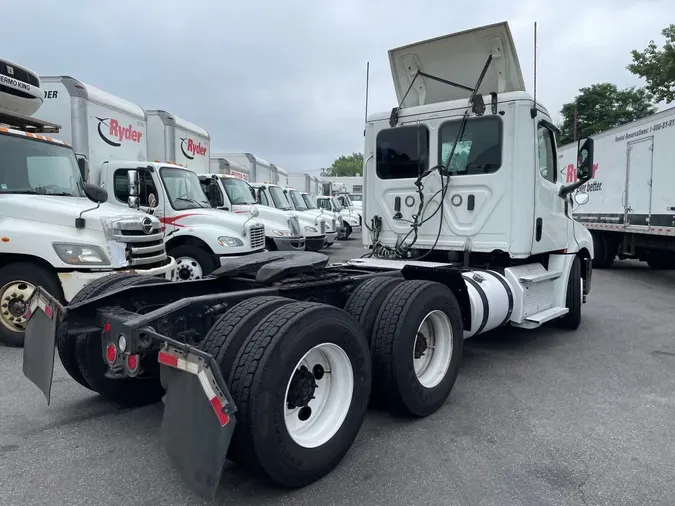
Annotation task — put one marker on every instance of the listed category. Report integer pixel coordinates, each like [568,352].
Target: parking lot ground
[535,418]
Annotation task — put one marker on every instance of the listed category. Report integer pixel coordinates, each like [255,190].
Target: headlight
[80,254]
[230,242]
[310,229]
[282,233]
[353,221]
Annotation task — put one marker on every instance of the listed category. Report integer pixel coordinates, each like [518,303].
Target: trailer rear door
[639,182]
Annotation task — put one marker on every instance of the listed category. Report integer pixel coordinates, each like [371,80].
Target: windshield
[238,191]
[279,199]
[356,198]
[30,166]
[298,201]
[183,188]
[308,201]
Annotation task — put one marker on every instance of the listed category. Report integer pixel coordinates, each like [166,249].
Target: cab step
[547,315]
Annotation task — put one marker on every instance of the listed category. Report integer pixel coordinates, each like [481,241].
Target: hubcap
[318,395]
[14,304]
[432,351]
[188,269]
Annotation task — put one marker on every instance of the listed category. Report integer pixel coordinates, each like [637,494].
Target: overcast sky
[285,79]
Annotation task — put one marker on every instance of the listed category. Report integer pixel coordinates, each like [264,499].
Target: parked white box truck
[631,201]
[113,134]
[173,139]
[221,165]
[56,231]
[281,175]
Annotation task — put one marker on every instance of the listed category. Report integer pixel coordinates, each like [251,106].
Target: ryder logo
[591,186]
[190,149]
[117,133]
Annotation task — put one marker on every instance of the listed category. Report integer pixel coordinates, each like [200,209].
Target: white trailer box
[172,139]
[221,165]
[315,186]
[281,175]
[259,170]
[302,182]
[631,206]
[95,122]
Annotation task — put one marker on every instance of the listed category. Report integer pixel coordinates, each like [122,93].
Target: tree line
[598,107]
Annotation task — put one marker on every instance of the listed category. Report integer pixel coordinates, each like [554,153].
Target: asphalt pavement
[538,417]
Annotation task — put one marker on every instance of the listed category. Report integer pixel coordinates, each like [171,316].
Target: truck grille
[334,224]
[142,249]
[19,74]
[323,226]
[257,233]
[294,226]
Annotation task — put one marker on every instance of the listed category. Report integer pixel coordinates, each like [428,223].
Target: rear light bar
[173,357]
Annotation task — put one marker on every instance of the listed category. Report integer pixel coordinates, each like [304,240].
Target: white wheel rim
[432,351]
[316,422]
[187,269]
[13,306]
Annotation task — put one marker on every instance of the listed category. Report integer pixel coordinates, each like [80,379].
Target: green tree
[603,106]
[657,67]
[346,165]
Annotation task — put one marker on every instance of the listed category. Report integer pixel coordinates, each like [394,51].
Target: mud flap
[40,340]
[191,435]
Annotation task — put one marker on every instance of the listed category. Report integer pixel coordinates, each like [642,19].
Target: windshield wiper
[21,192]
[192,201]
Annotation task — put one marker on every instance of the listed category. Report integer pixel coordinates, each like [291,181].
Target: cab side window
[547,158]
[324,204]
[146,183]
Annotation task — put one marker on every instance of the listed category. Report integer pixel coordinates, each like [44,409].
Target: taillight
[132,364]
[111,353]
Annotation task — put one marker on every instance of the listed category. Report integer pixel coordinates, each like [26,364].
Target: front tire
[17,283]
[574,299]
[192,262]
[301,382]
[417,347]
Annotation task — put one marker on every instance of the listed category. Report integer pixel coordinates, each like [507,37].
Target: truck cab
[198,236]
[312,227]
[59,232]
[230,193]
[352,219]
[296,200]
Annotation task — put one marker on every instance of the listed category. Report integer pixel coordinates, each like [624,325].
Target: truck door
[638,196]
[550,221]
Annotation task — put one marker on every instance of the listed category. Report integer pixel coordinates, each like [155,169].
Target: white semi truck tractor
[57,231]
[470,229]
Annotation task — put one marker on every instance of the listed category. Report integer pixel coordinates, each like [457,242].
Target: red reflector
[111,353]
[106,327]
[29,313]
[218,408]
[48,311]
[168,359]
[132,362]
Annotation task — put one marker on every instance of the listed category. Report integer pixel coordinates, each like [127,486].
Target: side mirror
[581,198]
[584,167]
[83,164]
[133,182]
[585,159]
[95,193]
[152,201]
[254,212]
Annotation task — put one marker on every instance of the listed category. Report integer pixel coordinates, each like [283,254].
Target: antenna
[367,83]
[533,111]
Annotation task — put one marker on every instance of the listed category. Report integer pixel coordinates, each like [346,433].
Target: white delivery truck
[303,182]
[230,193]
[310,204]
[352,218]
[112,133]
[493,244]
[259,170]
[311,226]
[294,197]
[221,165]
[173,139]
[55,230]
[631,201]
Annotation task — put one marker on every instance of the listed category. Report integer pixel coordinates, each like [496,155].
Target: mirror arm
[566,190]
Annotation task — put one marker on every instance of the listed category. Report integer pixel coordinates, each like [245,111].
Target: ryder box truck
[171,138]
[631,201]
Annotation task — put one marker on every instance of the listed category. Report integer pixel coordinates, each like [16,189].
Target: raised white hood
[458,57]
